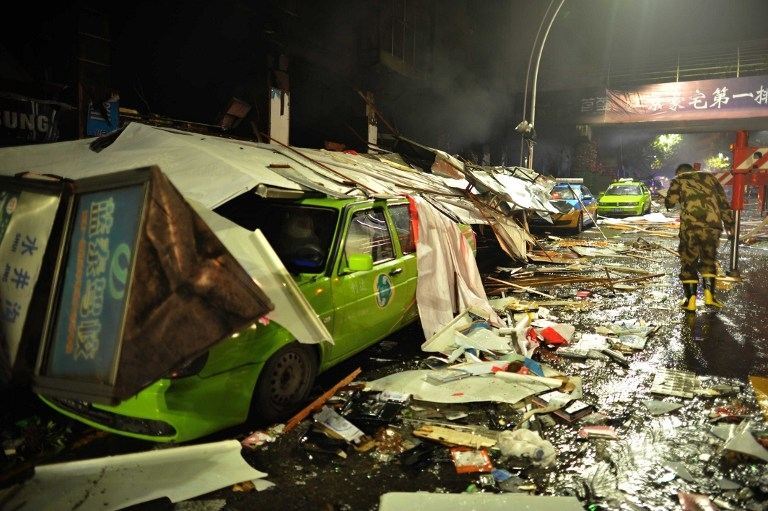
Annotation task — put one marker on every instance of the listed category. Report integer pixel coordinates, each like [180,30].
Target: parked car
[576,203]
[657,184]
[353,259]
[625,197]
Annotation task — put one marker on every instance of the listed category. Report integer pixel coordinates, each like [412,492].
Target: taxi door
[590,203]
[369,303]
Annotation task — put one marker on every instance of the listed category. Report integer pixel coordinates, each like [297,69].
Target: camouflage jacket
[702,201]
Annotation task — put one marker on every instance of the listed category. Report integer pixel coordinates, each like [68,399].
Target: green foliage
[718,162]
[662,148]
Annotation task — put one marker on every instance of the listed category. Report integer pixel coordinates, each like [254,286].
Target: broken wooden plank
[524,288]
[320,401]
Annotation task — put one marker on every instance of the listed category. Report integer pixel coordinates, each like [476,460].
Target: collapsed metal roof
[212,170]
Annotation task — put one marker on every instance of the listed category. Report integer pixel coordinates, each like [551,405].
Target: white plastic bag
[527,444]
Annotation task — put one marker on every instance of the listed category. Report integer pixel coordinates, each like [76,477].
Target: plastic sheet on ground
[651,218]
[485,339]
[115,482]
[524,443]
[465,390]
[738,438]
[424,501]
[444,339]
[657,407]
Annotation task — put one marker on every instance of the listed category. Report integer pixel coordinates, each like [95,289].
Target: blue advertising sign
[103,122]
[89,321]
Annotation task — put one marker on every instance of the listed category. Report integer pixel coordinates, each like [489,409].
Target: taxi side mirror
[358,262]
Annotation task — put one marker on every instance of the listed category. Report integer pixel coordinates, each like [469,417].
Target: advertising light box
[28,212]
[142,285]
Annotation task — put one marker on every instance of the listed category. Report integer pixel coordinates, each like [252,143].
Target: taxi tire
[284,383]
[580,223]
[647,208]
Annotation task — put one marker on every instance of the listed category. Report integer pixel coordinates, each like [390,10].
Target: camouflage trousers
[698,252]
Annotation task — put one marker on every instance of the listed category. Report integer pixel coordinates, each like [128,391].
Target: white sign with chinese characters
[26,219]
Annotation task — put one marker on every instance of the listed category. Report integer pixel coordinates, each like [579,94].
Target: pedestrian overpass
[719,104]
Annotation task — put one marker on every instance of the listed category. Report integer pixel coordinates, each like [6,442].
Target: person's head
[683,167]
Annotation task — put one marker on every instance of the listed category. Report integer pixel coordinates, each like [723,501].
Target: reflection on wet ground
[655,457]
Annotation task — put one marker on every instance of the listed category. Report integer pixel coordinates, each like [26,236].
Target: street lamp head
[524,127]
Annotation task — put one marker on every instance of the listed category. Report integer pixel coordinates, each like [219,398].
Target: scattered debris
[467,437]
[656,407]
[760,386]
[739,439]
[527,445]
[695,502]
[608,432]
[675,383]
[318,403]
[469,460]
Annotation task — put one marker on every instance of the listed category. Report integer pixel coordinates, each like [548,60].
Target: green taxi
[353,259]
[625,197]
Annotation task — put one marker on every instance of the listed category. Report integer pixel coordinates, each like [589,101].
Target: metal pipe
[734,270]
[527,74]
[536,79]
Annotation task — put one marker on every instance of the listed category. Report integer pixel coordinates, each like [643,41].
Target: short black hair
[683,167]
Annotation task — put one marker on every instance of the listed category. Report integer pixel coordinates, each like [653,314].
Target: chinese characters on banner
[89,321]
[702,99]
[26,220]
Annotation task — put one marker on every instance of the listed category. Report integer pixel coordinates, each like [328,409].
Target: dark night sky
[185,59]
[588,34]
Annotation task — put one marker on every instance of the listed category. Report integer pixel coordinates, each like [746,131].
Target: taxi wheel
[284,383]
[580,223]
[647,208]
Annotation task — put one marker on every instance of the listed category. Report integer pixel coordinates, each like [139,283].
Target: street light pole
[536,79]
[527,75]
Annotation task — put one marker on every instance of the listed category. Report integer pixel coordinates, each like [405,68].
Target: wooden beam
[320,401]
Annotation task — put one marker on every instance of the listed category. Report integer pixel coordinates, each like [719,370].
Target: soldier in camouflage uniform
[704,209]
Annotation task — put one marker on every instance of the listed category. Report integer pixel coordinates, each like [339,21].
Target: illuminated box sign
[90,317]
[27,214]
[141,286]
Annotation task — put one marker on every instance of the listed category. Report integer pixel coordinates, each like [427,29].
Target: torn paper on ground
[466,390]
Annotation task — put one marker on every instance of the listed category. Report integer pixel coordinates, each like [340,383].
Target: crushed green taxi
[353,259]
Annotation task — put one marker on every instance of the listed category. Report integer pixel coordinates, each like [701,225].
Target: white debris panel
[465,390]
[116,482]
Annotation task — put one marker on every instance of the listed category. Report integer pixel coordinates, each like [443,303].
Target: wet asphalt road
[724,347]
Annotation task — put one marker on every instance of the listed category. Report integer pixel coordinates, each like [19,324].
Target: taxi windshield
[623,190]
[561,193]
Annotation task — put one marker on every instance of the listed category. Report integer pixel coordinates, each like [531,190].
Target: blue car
[576,204]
